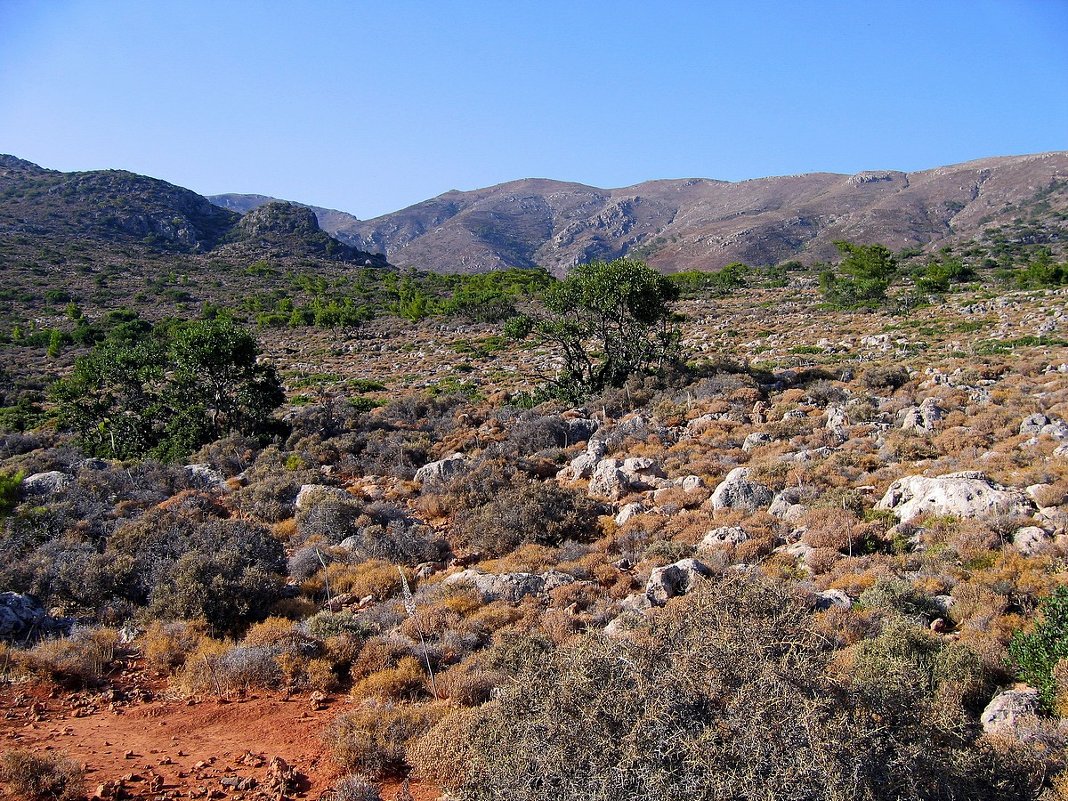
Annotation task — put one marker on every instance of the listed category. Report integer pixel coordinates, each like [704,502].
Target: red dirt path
[191,746]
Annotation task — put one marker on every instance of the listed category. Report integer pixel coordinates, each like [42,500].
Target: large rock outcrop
[965,494]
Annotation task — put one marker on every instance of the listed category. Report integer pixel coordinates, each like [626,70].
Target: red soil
[190,746]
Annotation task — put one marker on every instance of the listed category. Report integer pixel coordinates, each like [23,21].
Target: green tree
[165,393]
[55,343]
[863,276]
[609,320]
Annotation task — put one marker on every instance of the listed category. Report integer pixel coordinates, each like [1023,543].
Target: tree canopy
[863,276]
[163,392]
[609,320]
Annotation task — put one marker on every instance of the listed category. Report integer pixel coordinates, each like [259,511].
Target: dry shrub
[578,596]
[528,558]
[167,645]
[462,600]
[1023,580]
[378,579]
[822,560]
[406,681]
[443,753]
[491,617]
[33,776]
[302,673]
[1060,688]
[272,631]
[845,627]
[432,618]
[558,626]
[353,787]
[222,669]
[373,739]
[284,530]
[854,576]
[379,653]
[829,528]
[754,549]
[82,658]
[293,608]
[468,683]
[699,678]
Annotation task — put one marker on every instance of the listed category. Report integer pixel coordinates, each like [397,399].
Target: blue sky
[369,107]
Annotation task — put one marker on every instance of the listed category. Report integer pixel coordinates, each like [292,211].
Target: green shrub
[9,490]
[1036,654]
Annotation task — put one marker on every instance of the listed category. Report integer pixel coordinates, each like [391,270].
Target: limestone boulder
[582,466]
[628,511]
[608,480]
[1031,540]
[966,494]
[23,617]
[722,536]
[755,440]
[1008,710]
[206,476]
[48,483]
[441,470]
[737,491]
[673,580]
[925,418]
[829,599]
[643,473]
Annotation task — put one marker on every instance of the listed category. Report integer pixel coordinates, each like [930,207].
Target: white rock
[628,511]
[838,421]
[965,494]
[47,483]
[830,598]
[608,480]
[442,469]
[672,580]
[755,440]
[736,491]
[206,475]
[724,535]
[1030,540]
[1007,710]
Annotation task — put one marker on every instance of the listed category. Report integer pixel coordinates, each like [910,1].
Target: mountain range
[673,225]
[705,224]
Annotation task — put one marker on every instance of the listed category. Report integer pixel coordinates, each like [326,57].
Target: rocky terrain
[887,470]
[828,543]
[705,224]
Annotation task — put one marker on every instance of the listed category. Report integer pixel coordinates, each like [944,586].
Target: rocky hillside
[114,206]
[705,224]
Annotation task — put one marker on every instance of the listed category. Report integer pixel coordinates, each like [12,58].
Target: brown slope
[705,224]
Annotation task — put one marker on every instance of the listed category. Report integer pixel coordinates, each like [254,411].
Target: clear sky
[370,107]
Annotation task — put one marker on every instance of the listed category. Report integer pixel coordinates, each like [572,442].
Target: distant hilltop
[691,224]
[705,224]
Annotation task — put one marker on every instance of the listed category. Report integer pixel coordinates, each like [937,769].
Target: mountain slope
[705,224]
[115,206]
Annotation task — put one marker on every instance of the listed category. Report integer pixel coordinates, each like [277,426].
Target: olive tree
[608,321]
